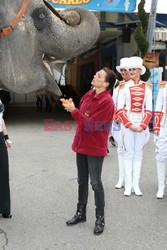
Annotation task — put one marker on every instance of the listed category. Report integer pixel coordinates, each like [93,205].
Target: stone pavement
[44,194]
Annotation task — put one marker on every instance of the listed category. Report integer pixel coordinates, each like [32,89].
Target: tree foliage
[140,35]
[141,41]
[143,16]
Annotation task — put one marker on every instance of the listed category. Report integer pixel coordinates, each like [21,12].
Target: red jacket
[93,123]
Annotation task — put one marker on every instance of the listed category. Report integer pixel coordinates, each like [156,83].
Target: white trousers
[133,143]
[161,144]
[117,134]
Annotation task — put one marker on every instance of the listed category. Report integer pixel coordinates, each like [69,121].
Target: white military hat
[124,62]
[166,67]
[136,62]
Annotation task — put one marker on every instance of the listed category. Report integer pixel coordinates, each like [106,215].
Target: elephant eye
[39,13]
[41,16]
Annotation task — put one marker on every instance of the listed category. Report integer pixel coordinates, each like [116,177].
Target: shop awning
[161,34]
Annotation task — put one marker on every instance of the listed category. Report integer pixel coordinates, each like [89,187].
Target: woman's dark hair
[110,77]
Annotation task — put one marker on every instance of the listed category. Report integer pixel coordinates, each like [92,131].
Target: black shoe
[7,216]
[112,141]
[76,219]
[80,215]
[99,225]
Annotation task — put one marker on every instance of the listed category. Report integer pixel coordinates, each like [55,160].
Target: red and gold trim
[115,117]
[146,119]
[157,120]
[121,85]
[121,115]
[137,93]
[162,84]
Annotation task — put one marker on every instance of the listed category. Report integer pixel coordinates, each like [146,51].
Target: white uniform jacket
[115,97]
[160,113]
[135,103]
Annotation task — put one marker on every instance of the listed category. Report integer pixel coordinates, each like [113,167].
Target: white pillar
[152,24]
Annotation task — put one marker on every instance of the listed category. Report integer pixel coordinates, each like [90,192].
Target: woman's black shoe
[99,226]
[76,219]
[112,141]
[99,223]
[80,215]
[7,216]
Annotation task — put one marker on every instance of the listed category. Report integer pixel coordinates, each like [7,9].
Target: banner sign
[155,78]
[97,5]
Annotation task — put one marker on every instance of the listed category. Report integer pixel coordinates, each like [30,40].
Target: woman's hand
[69,106]
[8,143]
[136,129]
[156,132]
[140,129]
[133,128]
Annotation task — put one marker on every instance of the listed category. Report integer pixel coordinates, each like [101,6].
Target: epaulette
[116,84]
[121,84]
[149,85]
[162,84]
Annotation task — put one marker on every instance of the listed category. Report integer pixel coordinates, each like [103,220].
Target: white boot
[136,176]
[121,172]
[128,177]
[161,178]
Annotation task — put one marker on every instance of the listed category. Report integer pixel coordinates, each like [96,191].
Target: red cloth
[93,123]
[137,93]
[146,119]
[121,114]
[157,120]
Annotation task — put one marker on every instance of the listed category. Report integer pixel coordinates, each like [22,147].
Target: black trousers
[90,166]
[4,178]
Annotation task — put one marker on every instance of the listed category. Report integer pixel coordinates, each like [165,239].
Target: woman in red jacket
[91,142]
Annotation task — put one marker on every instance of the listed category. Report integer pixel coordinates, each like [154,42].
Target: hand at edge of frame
[8,143]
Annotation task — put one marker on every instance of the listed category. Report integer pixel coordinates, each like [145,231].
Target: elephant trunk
[74,37]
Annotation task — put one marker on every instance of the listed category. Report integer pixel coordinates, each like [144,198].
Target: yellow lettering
[77,1]
[55,1]
[66,2]
[62,2]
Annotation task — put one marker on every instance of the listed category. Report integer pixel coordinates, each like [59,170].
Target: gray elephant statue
[32,30]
